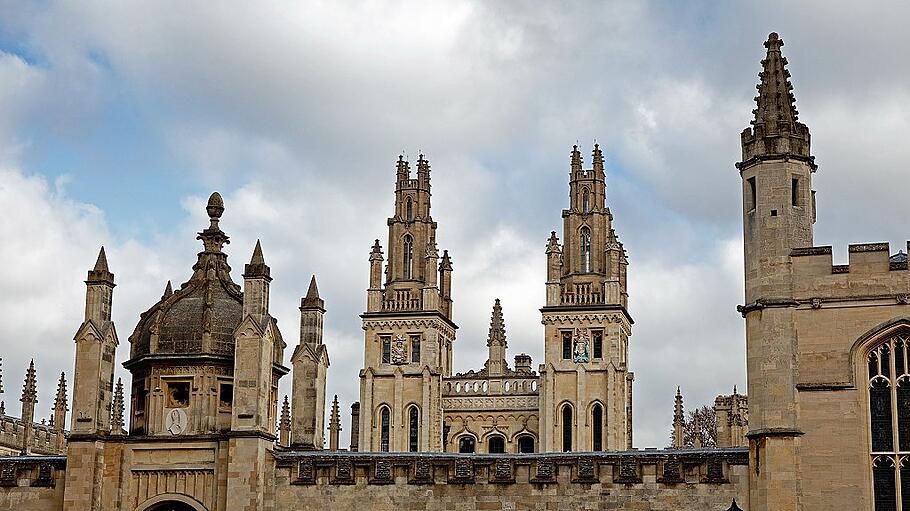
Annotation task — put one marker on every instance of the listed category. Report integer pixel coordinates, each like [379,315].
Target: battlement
[44,437]
[872,271]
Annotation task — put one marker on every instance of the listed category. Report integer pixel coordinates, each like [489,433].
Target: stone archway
[171,502]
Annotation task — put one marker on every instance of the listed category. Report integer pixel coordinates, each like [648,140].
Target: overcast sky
[118,119]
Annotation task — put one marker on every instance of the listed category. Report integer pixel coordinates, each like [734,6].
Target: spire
[257,266]
[284,424]
[576,159]
[312,298]
[100,274]
[1,375]
[775,100]
[775,131]
[168,291]
[60,399]
[446,263]
[29,388]
[117,410]
[334,425]
[497,334]
[598,158]
[679,422]
[553,244]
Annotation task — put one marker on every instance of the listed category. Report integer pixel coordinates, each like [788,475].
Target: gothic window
[598,342]
[386,349]
[597,427]
[525,444]
[409,209]
[566,427]
[408,256]
[225,395]
[466,444]
[794,192]
[413,429]
[566,345]
[889,422]
[496,445]
[585,201]
[415,348]
[384,419]
[585,250]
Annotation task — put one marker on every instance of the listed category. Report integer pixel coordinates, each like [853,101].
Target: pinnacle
[497,326]
[313,290]
[101,262]
[168,291]
[215,205]
[60,399]
[257,254]
[312,298]
[775,99]
[29,388]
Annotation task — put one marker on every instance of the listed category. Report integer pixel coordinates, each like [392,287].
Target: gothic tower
[310,362]
[585,384]
[778,214]
[408,330]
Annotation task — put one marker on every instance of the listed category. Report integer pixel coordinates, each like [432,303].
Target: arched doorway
[172,506]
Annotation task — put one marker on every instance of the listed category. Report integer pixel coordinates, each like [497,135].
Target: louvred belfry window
[408,256]
[585,250]
[889,422]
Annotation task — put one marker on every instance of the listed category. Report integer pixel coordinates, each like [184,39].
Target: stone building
[580,399]
[827,419]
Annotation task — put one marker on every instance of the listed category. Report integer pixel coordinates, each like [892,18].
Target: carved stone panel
[585,470]
[715,471]
[671,473]
[305,472]
[382,472]
[344,472]
[502,472]
[464,471]
[628,472]
[8,474]
[545,471]
[423,472]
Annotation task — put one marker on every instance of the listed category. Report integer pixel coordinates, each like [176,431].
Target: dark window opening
[225,395]
[526,444]
[880,406]
[466,444]
[773,212]
[794,192]
[585,201]
[413,429]
[386,350]
[496,445]
[566,428]
[598,341]
[415,348]
[597,423]
[585,250]
[408,257]
[753,198]
[178,394]
[566,345]
[384,429]
[883,484]
[409,207]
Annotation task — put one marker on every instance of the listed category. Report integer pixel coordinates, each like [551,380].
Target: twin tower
[580,399]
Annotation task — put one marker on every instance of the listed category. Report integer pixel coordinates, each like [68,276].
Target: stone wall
[31,483]
[650,480]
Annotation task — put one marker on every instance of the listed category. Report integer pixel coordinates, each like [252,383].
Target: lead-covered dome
[202,315]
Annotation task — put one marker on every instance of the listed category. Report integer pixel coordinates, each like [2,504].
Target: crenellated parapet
[721,470]
[43,439]
[31,472]
[872,273]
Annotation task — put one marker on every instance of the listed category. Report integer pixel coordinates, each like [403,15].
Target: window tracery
[889,422]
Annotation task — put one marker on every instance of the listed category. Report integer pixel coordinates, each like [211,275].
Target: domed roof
[202,315]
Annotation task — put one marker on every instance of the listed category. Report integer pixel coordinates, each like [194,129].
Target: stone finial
[284,424]
[376,252]
[679,421]
[117,407]
[576,159]
[497,333]
[213,238]
[775,99]
[60,399]
[334,425]
[312,299]
[100,273]
[257,266]
[403,168]
[598,158]
[446,263]
[30,388]
[2,408]
[553,244]
[168,291]
[423,165]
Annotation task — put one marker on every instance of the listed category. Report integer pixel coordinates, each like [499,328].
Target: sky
[117,120]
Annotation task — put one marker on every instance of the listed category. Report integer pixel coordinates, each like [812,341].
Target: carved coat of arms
[399,351]
[580,347]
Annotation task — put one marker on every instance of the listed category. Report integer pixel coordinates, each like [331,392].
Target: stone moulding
[626,467]
[810,251]
[868,247]
[39,469]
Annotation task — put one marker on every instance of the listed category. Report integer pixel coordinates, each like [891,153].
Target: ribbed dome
[202,315]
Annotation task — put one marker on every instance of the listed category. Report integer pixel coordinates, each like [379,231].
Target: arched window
[597,427]
[585,201]
[413,429]
[466,444]
[409,209]
[889,421]
[496,445]
[585,250]
[408,257]
[384,419]
[525,444]
[566,427]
